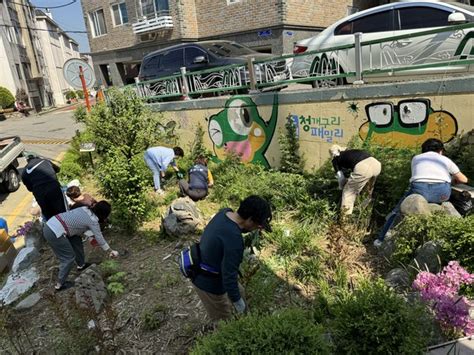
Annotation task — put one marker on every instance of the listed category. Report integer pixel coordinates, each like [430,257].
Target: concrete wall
[250,125]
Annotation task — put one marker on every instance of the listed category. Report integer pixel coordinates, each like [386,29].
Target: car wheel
[325,66]
[12,183]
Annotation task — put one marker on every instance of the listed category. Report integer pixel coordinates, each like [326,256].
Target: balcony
[156,22]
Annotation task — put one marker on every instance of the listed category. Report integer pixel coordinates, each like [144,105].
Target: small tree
[291,161]
[197,146]
[6,98]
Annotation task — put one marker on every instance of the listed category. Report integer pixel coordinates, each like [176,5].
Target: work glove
[114,254]
[179,175]
[240,306]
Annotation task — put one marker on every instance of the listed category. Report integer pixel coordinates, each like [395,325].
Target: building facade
[121,32]
[58,47]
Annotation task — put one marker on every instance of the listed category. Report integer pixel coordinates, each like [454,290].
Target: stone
[388,246]
[415,204]
[28,302]
[182,217]
[34,237]
[450,210]
[398,278]
[18,284]
[427,257]
[90,289]
[434,207]
[25,258]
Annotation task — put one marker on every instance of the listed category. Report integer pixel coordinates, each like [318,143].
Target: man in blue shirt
[222,249]
[158,159]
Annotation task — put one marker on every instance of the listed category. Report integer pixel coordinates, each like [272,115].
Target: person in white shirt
[63,233]
[431,176]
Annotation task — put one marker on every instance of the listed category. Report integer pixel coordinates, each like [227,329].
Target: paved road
[47,135]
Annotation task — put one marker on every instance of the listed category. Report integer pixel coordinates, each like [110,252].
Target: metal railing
[444,49]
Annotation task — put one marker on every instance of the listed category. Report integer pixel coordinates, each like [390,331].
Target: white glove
[114,254]
[240,306]
[341,179]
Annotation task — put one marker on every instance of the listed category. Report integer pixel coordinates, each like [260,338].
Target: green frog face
[240,129]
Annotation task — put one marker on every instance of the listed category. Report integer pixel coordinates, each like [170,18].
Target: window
[151,8]
[151,64]
[225,49]
[409,18]
[97,20]
[192,52]
[18,71]
[378,22]
[119,14]
[173,59]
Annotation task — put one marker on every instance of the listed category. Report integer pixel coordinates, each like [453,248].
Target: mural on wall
[320,128]
[240,129]
[407,124]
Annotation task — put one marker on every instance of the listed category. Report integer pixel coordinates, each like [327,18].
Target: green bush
[197,146]
[375,320]
[291,160]
[455,235]
[80,94]
[234,181]
[70,95]
[70,166]
[124,181]
[290,331]
[462,153]
[6,98]
[80,114]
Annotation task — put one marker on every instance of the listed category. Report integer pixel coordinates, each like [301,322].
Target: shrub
[290,331]
[375,320]
[70,166]
[291,160]
[70,95]
[197,146]
[80,94]
[455,236]
[460,151]
[123,181]
[6,98]
[80,114]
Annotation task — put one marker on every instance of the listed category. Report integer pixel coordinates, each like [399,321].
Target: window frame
[398,17]
[351,22]
[112,13]
[92,20]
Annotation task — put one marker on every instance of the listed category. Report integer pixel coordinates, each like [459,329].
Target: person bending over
[158,159]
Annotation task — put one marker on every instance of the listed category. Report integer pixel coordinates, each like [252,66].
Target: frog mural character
[407,124]
[240,129]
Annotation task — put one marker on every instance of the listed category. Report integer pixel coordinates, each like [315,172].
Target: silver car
[394,19]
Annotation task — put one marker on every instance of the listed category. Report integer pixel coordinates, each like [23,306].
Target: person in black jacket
[39,177]
[362,169]
[222,249]
[200,179]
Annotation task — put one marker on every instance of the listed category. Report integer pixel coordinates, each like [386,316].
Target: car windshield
[225,49]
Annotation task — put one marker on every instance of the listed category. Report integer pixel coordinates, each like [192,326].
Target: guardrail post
[139,90]
[358,58]
[253,82]
[185,88]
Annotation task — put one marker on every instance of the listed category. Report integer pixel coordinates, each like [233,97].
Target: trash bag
[462,202]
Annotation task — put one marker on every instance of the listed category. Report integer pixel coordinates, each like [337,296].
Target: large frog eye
[380,114]
[413,112]
[215,132]
[239,117]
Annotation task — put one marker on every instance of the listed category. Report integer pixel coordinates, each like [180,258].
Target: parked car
[198,56]
[384,21]
[11,148]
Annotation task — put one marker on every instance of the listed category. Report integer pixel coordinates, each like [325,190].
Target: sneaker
[378,243]
[83,267]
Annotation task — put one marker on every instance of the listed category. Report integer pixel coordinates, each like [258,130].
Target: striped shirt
[77,222]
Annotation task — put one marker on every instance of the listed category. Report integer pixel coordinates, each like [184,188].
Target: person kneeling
[200,179]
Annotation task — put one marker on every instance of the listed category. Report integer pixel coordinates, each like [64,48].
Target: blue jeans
[433,193]
[155,169]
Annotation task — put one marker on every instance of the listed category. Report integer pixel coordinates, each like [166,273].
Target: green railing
[451,49]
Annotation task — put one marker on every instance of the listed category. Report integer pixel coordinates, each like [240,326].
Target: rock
[18,284]
[90,289]
[450,210]
[427,257]
[34,237]
[415,204]
[398,278]
[182,218]
[388,246]
[28,302]
[434,207]
[25,258]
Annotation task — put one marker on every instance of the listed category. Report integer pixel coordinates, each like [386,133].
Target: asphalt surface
[47,135]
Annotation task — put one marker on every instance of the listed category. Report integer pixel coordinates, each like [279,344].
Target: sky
[68,18]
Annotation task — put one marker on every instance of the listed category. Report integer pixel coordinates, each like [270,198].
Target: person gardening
[363,169]
[221,249]
[79,199]
[431,176]
[158,159]
[200,179]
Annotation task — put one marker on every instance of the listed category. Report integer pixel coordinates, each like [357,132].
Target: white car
[394,19]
